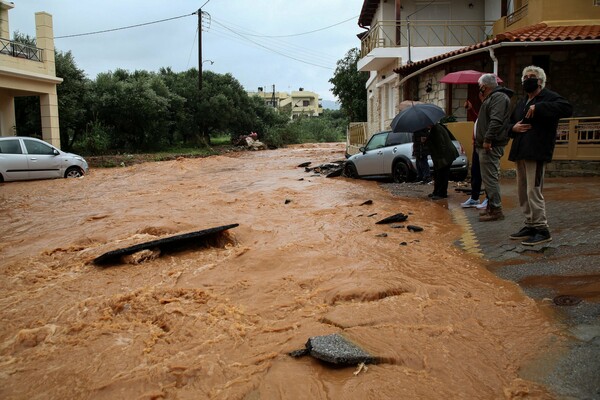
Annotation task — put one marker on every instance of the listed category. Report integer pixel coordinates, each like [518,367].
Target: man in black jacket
[533,129]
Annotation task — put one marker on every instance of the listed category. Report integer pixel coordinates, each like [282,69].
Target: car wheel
[400,172]
[350,171]
[73,172]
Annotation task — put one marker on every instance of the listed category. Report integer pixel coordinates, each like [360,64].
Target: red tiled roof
[534,33]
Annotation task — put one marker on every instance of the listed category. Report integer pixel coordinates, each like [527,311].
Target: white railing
[425,33]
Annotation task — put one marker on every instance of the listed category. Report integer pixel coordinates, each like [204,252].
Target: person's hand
[487,147]
[520,127]
[530,111]
[468,105]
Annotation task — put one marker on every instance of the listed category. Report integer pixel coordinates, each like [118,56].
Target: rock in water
[400,217]
[335,349]
[414,228]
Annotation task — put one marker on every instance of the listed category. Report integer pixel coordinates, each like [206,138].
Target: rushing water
[307,259]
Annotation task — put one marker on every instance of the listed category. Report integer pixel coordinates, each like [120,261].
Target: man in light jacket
[491,136]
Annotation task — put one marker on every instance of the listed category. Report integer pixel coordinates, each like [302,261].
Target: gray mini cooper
[389,155]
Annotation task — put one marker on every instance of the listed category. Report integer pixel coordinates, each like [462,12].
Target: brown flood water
[219,322]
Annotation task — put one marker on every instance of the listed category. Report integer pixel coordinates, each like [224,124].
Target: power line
[272,50]
[286,47]
[305,33]
[236,35]
[125,27]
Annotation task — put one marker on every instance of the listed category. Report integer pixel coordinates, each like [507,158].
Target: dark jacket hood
[504,90]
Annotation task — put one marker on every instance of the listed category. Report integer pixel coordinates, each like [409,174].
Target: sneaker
[470,203]
[524,233]
[541,236]
[483,205]
[492,215]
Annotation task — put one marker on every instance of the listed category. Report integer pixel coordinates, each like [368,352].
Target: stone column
[49,113]
[49,101]
[7,116]
[4,28]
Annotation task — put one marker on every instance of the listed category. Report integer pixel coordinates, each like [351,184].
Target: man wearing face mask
[490,139]
[533,129]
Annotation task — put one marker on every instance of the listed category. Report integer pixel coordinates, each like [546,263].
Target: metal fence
[425,33]
[20,50]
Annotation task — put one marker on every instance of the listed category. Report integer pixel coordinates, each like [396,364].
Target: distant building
[301,102]
[28,71]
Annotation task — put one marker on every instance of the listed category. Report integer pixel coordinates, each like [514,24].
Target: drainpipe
[408,37]
[495,60]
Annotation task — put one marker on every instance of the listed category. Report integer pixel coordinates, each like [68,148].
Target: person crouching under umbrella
[443,153]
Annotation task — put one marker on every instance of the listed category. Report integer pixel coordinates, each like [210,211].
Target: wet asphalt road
[569,265]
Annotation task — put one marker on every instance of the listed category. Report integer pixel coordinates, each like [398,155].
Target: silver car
[389,155]
[23,158]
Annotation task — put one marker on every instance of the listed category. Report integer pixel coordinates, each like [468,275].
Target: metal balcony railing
[20,50]
[425,33]
[516,16]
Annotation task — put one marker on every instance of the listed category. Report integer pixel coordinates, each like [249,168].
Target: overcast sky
[289,44]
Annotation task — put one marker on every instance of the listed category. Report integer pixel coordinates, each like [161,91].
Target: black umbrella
[417,117]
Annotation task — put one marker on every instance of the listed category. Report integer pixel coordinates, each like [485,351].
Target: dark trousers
[475,176]
[423,171]
[441,177]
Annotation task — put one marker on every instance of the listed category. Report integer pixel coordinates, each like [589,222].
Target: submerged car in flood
[25,158]
[389,155]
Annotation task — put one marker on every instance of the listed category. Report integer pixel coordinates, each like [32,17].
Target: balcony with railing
[518,15]
[20,50]
[425,34]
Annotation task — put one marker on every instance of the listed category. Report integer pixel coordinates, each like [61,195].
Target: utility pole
[200,46]
[200,49]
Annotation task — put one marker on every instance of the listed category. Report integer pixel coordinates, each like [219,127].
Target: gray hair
[538,71]
[488,80]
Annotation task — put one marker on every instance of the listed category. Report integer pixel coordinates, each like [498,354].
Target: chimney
[301,89]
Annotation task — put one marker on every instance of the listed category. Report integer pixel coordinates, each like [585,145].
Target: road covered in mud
[307,259]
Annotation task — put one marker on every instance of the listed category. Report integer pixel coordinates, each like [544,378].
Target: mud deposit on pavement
[218,322]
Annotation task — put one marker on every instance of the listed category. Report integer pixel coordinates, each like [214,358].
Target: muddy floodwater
[218,322]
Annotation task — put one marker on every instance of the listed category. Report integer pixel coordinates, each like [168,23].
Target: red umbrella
[465,77]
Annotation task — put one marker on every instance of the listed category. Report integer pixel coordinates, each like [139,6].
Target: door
[42,160]
[370,162]
[13,161]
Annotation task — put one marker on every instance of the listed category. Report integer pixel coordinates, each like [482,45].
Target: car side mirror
[55,152]
[362,150]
